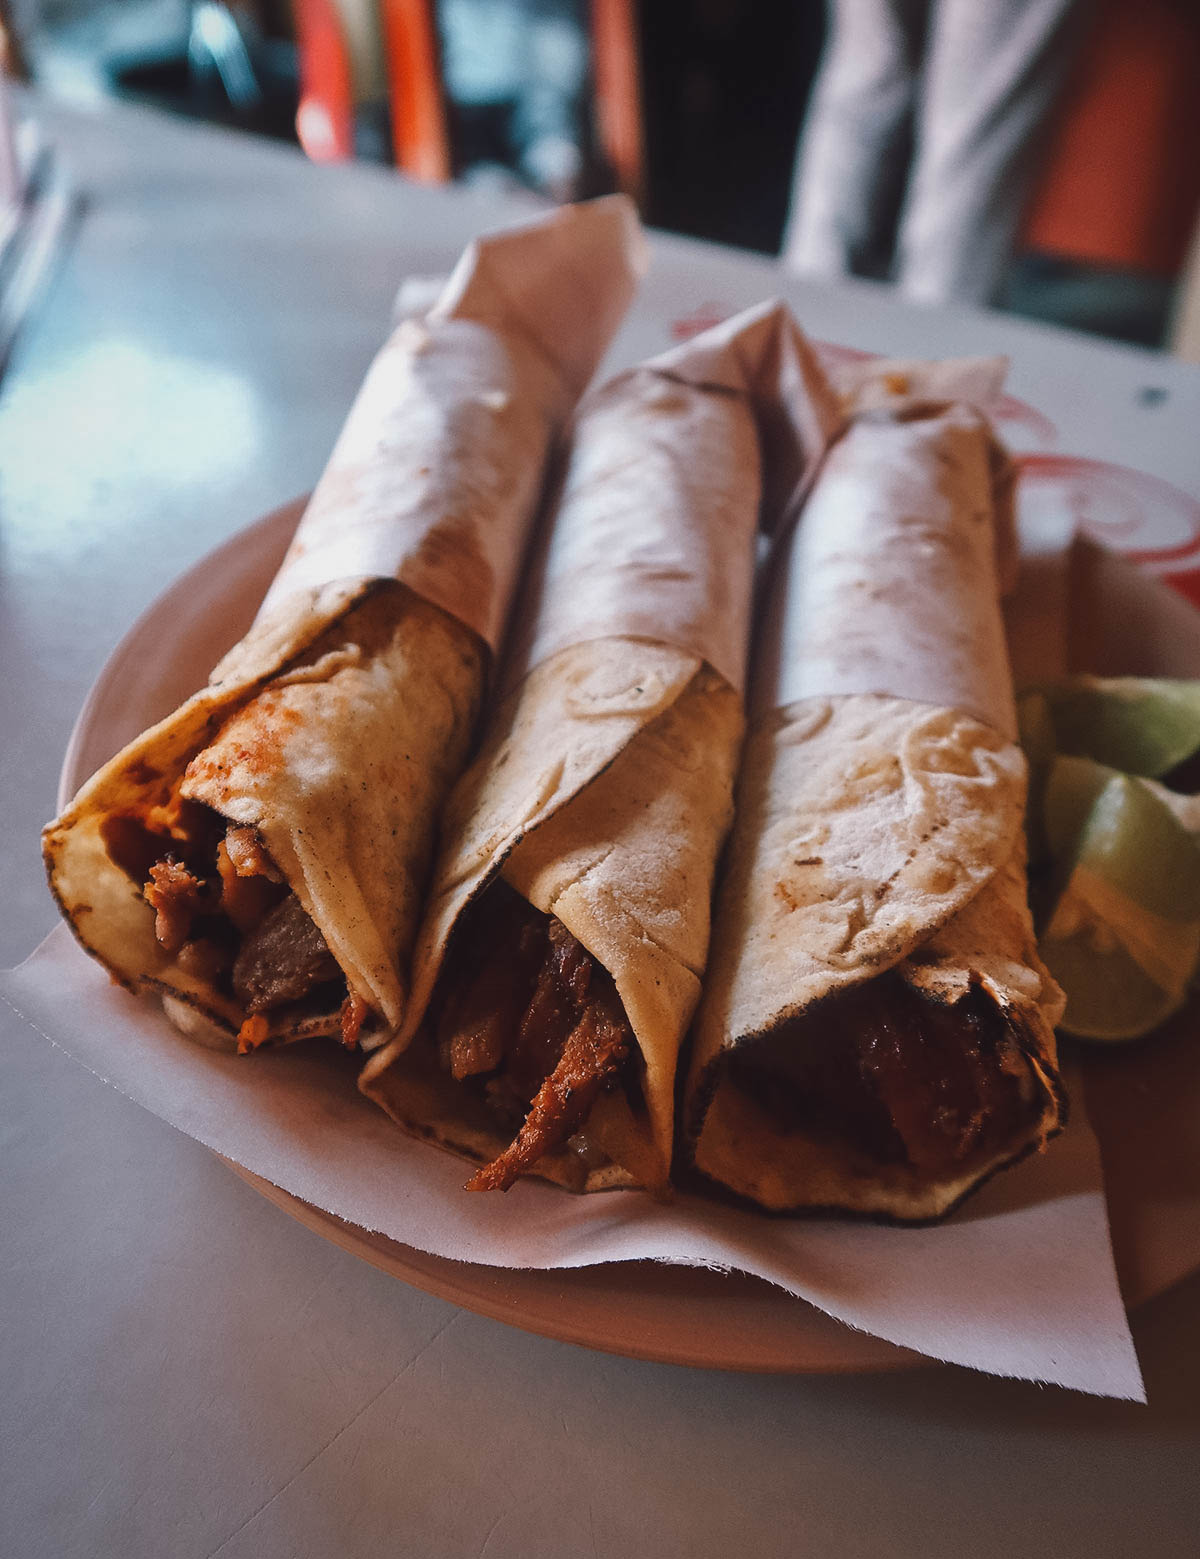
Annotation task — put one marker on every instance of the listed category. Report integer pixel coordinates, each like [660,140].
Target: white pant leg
[992,71]
[855,134]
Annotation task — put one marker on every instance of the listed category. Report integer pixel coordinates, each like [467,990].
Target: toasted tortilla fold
[604,789]
[876,832]
[336,727]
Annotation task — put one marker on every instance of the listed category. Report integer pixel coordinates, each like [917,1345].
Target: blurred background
[1041,156]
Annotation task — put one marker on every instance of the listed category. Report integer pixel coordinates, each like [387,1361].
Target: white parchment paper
[1019,1282]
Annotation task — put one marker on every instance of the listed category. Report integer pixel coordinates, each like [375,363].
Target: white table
[187,1372]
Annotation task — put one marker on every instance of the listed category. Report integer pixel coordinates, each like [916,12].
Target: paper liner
[872,383]
[435,478]
[849,611]
[1020,1283]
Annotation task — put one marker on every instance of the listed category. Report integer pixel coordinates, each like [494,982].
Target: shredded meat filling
[353,1015]
[528,1015]
[481,1013]
[175,896]
[901,1077]
[594,1049]
[245,897]
[245,852]
[223,909]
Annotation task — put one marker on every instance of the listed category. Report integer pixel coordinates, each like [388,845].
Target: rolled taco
[258,857]
[877,1031]
[560,960]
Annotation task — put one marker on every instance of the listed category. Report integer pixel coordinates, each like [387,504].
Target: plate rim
[855,1352]
[436,1275]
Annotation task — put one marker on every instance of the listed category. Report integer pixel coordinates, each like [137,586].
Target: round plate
[642,1309]
[1141,1098]
[677,1315]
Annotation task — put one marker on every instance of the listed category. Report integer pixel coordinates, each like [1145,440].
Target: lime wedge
[1123,885]
[1109,997]
[1133,842]
[1184,809]
[1095,911]
[1070,790]
[1136,724]
[1123,940]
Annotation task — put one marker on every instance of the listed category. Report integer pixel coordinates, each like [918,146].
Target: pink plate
[1145,1101]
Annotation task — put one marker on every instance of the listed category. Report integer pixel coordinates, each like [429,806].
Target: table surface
[183,1370]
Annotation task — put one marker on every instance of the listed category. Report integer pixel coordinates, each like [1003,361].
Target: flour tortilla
[872,834]
[880,815]
[392,684]
[336,727]
[604,790]
[602,796]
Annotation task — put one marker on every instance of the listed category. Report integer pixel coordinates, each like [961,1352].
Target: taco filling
[532,1025]
[224,913]
[895,1077]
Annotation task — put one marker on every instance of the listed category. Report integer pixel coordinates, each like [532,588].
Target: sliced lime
[1139,725]
[1070,790]
[1184,809]
[1132,841]
[1093,910]
[1123,933]
[1109,997]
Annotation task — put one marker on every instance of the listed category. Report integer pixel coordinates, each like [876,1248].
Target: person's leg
[855,138]
[992,71]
